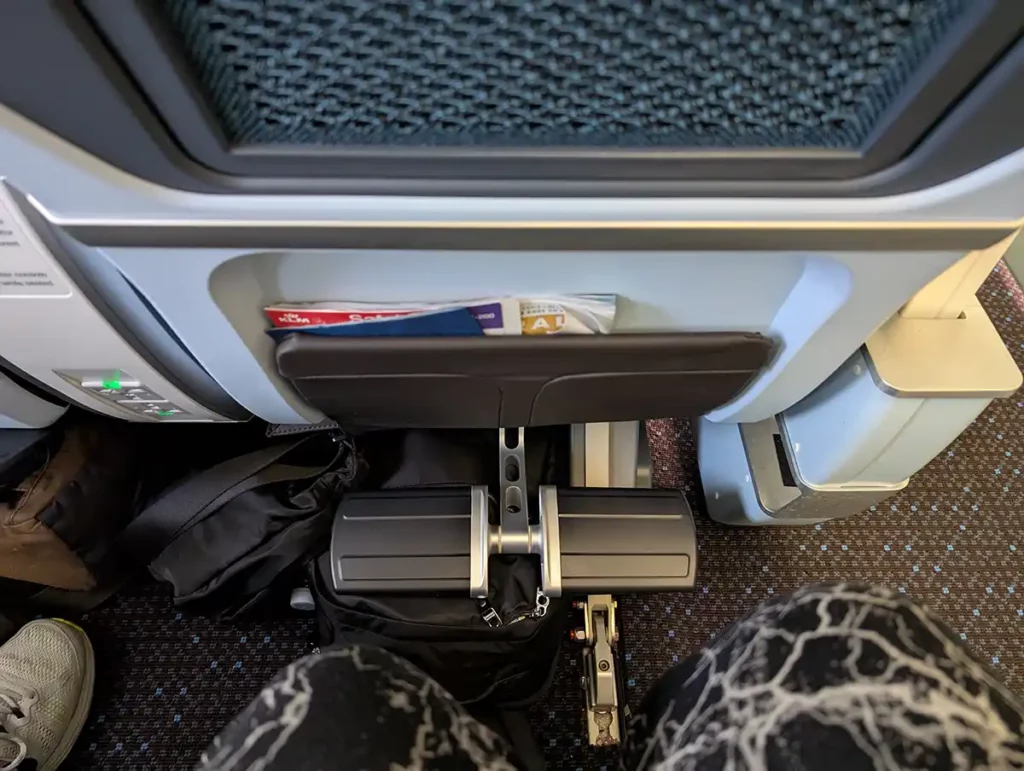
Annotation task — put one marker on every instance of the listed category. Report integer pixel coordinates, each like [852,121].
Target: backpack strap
[182,507]
[192,501]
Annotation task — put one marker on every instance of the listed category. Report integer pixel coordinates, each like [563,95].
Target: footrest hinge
[600,681]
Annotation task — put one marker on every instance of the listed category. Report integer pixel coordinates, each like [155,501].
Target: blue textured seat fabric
[682,73]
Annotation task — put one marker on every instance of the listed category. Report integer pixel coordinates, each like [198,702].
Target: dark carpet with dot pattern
[954,539]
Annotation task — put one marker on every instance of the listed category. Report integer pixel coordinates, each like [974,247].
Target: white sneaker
[47,672]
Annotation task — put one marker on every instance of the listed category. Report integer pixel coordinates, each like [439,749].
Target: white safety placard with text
[26,269]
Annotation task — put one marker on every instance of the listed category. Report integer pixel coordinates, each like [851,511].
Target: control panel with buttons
[127,392]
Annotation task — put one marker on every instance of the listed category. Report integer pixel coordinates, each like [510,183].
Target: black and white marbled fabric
[833,676]
[355,708]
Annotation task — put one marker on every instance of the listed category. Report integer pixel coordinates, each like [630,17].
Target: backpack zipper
[494,620]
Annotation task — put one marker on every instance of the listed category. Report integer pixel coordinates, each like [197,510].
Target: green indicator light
[165,412]
[115,384]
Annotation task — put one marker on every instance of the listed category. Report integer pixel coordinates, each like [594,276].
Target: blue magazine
[453,322]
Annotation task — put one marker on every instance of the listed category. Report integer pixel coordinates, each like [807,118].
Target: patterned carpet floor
[953,539]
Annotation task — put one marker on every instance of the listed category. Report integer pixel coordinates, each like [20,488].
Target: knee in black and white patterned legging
[831,677]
